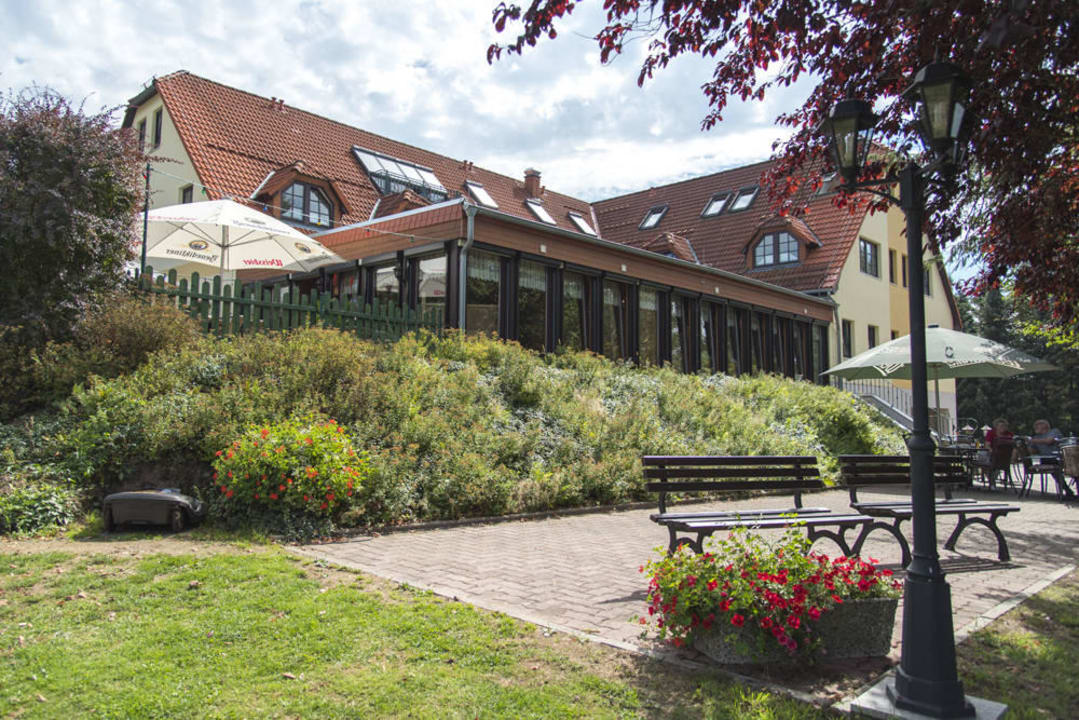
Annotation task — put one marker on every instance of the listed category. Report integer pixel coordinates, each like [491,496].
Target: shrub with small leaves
[35,507]
[297,466]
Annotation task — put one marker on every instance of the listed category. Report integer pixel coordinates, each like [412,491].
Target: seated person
[1000,434]
[1045,443]
[1045,440]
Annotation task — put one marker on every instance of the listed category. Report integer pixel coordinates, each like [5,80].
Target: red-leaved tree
[1017,205]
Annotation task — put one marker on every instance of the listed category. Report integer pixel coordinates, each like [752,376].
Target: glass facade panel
[798,350]
[575,309]
[483,292]
[387,287]
[678,334]
[348,285]
[532,305]
[707,336]
[780,345]
[648,314]
[733,344]
[431,284]
[615,325]
[758,325]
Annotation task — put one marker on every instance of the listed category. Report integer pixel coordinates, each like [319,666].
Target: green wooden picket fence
[233,308]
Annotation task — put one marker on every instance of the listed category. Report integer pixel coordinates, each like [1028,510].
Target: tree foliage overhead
[69,190]
[1021,200]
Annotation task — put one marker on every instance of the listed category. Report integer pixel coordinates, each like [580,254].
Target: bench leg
[676,542]
[964,522]
[893,529]
[838,537]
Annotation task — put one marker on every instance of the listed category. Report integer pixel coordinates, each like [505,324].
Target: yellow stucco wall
[171,171]
[867,300]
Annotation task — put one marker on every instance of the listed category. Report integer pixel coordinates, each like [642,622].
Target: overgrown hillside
[453,426]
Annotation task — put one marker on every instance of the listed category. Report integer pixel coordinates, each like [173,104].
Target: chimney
[532,183]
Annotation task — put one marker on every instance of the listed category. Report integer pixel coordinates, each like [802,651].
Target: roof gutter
[534,224]
[462,285]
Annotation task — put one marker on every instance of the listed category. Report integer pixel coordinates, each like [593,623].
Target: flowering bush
[298,465]
[780,588]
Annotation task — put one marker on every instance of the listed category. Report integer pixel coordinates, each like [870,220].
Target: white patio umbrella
[230,236]
[948,354]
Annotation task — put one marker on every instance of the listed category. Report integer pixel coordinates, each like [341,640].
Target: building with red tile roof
[679,261]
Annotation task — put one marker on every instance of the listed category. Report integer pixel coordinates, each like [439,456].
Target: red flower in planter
[281,488]
[814,613]
[228,494]
[712,584]
[323,506]
[273,496]
[737,620]
[794,621]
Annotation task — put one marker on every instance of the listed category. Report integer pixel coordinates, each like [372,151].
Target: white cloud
[412,70]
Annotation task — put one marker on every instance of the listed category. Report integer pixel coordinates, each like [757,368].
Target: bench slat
[725,472]
[721,460]
[733,485]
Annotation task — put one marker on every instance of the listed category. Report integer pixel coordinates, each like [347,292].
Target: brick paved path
[581,571]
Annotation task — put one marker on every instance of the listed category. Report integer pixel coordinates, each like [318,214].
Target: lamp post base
[879,702]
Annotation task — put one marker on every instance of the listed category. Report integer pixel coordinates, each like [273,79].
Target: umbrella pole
[936,388]
[224,249]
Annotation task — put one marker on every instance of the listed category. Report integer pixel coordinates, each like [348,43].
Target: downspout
[462,278]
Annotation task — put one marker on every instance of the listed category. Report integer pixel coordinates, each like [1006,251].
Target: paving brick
[582,571]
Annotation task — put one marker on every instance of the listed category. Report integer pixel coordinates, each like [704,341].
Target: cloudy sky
[413,70]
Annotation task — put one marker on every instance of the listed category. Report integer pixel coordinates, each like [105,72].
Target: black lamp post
[926,680]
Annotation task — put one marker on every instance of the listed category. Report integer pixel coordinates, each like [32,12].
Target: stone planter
[857,628]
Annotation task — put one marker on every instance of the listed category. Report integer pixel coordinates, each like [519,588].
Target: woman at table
[999,435]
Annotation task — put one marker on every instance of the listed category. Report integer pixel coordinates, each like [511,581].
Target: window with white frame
[391,175]
[715,204]
[581,223]
[744,198]
[653,217]
[304,203]
[775,249]
[480,194]
[539,211]
[869,257]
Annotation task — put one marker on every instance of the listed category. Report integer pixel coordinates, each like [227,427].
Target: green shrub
[294,467]
[453,426]
[32,508]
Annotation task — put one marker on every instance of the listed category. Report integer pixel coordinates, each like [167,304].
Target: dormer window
[716,204]
[306,204]
[653,217]
[480,194]
[744,198]
[581,223]
[775,249]
[540,212]
[392,176]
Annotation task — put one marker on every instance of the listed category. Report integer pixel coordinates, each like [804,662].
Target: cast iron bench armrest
[868,471]
[724,474]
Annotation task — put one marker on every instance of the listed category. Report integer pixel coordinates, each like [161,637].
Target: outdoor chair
[1000,461]
[1071,463]
[1038,466]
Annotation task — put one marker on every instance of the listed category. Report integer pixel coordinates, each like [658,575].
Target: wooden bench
[875,471]
[726,474]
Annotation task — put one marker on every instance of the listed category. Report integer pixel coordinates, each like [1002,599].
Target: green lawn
[1028,658]
[258,633]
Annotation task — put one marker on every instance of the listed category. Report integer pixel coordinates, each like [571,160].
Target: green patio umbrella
[948,354]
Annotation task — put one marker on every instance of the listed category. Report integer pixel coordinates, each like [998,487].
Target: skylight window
[480,194]
[581,223]
[744,198]
[391,175]
[653,217]
[540,212]
[716,204]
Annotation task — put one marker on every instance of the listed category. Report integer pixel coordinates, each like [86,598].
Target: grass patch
[263,634]
[1027,658]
